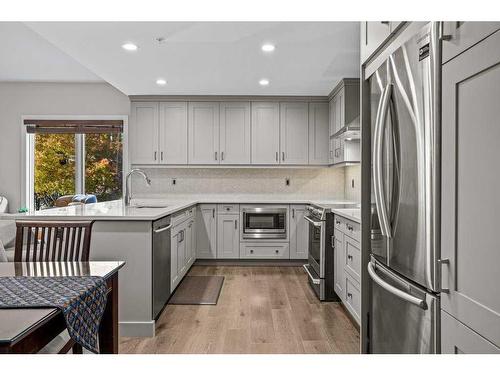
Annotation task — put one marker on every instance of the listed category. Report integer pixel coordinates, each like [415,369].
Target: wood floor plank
[261,309]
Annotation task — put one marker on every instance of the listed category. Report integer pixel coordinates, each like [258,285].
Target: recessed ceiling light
[129,47]
[264,82]
[161,82]
[268,47]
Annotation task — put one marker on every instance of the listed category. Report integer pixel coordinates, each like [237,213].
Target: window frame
[27,154]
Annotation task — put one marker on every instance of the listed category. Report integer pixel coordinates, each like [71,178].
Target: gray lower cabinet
[299,232]
[471,205]
[206,231]
[178,254]
[264,250]
[457,338]
[339,263]
[228,236]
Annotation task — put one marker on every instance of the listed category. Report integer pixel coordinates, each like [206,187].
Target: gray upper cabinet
[173,133]
[265,133]
[373,34]
[294,133]
[203,133]
[318,133]
[235,133]
[459,36]
[143,133]
[470,178]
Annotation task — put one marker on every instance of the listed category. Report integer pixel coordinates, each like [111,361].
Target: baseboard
[251,262]
[137,329]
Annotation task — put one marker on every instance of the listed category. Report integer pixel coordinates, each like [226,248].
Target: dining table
[28,330]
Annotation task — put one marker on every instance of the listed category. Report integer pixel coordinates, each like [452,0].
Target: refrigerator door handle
[393,290]
[380,201]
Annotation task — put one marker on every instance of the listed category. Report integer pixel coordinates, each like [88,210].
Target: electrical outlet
[287,181]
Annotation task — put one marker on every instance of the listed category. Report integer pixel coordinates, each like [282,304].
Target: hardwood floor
[260,310]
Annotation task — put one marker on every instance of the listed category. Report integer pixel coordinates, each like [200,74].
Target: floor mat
[198,290]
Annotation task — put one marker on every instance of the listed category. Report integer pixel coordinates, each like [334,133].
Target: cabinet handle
[155,155]
[337,222]
[235,224]
[349,257]
[213,213]
[283,155]
[222,155]
[277,156]
[293,213]
[276,251]
[332,239]
[349,295]
[384,22]
[161,155]
[251,251]
[349,227]
[215,155]
[441,262]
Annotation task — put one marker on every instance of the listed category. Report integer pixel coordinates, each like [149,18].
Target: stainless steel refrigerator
[405,129]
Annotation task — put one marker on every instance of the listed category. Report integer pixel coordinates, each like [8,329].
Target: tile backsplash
[327,183]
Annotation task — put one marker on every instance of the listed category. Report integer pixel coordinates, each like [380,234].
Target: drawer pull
[337,222]
[349,295]
[349,257]
[349,227]
[251,251]
[276,251]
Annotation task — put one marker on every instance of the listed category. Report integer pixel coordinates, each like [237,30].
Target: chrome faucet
[128,185]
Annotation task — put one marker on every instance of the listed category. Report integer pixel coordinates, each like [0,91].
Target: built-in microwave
[264,222]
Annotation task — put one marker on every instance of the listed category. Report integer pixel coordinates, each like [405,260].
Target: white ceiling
[212,58]
[26,56]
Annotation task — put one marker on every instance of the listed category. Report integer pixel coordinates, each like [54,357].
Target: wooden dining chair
[44,241]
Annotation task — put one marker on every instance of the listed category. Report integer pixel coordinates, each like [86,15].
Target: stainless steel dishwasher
[161,264]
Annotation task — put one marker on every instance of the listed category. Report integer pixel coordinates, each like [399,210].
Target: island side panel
[129,241]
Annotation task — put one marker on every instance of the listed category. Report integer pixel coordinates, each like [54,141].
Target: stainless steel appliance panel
[316,245]
[405,161]
[264,222]
[161,264]
[404,317]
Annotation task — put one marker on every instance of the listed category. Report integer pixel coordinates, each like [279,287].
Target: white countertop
[116,210]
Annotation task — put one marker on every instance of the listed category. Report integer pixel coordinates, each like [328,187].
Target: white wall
[23,99]
[324,183]
[353,173]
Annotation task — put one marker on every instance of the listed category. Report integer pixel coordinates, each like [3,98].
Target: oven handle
[315,223]
[314,281]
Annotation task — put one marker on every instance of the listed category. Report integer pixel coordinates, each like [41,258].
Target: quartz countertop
[146,209]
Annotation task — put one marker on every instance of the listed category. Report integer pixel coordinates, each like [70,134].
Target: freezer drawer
[404,318]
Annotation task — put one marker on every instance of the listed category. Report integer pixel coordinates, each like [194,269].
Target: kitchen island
[126,233]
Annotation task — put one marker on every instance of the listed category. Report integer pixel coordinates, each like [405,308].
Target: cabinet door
[294,133]
[456,338]
[339,264]
[470,178]
[181,252]
[228,238]
[318,133]
[203,133]
[373,34]
[190,243]
[174,261]
[331,117]
[464,35]
[235,133]
[206,232]
[143,133]
[173,133]
[299,233]
[265,133]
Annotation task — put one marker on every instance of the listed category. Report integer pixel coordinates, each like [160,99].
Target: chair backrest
[44,241]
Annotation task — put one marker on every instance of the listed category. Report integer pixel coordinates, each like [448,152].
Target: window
[69,157]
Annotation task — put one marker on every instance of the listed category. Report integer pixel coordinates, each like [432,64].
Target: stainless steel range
[320,268]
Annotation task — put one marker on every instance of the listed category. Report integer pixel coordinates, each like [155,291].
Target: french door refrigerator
[405,128]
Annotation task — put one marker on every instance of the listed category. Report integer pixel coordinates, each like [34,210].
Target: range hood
[350,132]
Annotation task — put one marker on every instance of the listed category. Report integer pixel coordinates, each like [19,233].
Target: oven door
[316,245]
[264,223]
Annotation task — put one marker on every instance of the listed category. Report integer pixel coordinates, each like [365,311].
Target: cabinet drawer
[180,216]
[352,261]
[352,297]
[257,250]
[228,208]
[339,223]
[352,229]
